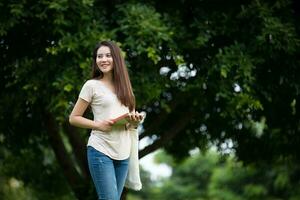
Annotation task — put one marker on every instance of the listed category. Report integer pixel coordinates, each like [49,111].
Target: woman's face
[104,59]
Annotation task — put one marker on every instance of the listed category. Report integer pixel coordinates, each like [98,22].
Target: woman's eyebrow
[103,54]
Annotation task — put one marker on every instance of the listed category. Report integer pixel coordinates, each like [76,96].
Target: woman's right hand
[104,125]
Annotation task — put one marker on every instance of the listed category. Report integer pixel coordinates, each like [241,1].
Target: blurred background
[219,81]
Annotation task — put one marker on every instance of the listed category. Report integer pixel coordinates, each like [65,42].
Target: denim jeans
[108,175]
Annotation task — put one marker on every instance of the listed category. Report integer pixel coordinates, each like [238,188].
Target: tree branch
[154,124]
[178,126]
[160,118]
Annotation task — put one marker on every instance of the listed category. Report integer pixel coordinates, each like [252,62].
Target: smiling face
[104,60]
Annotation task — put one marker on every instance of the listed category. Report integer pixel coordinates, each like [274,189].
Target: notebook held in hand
[121,120]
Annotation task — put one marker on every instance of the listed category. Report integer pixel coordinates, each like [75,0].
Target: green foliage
[14,189]
[212,176]
[139,23]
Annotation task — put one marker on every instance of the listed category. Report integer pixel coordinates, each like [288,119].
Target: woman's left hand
[134,118]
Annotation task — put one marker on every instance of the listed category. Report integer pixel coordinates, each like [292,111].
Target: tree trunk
[78,147]
[78,184]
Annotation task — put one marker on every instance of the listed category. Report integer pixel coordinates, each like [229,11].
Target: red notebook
[120,120]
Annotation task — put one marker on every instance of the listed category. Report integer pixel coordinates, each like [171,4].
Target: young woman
[109,94]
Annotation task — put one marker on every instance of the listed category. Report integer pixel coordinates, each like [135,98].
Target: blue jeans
[108,175]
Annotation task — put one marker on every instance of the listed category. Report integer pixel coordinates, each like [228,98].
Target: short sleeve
[86,92]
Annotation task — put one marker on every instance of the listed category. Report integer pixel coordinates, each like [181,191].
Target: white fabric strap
[133,180]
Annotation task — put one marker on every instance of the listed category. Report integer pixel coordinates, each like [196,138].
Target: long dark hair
[121,78]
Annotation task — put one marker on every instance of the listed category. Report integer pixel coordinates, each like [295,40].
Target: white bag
[133,180]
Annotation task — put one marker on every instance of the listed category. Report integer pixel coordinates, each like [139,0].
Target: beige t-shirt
[105,105]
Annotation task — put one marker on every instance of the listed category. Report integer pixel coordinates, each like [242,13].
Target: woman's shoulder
[91,82]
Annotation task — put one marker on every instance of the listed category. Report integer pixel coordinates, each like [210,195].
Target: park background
[219,81]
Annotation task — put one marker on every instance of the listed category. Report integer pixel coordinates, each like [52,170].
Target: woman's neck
[108,78]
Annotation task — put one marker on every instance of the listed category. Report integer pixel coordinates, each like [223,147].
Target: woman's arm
[76,118]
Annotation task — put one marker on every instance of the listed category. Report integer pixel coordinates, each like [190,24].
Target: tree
[205,71]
